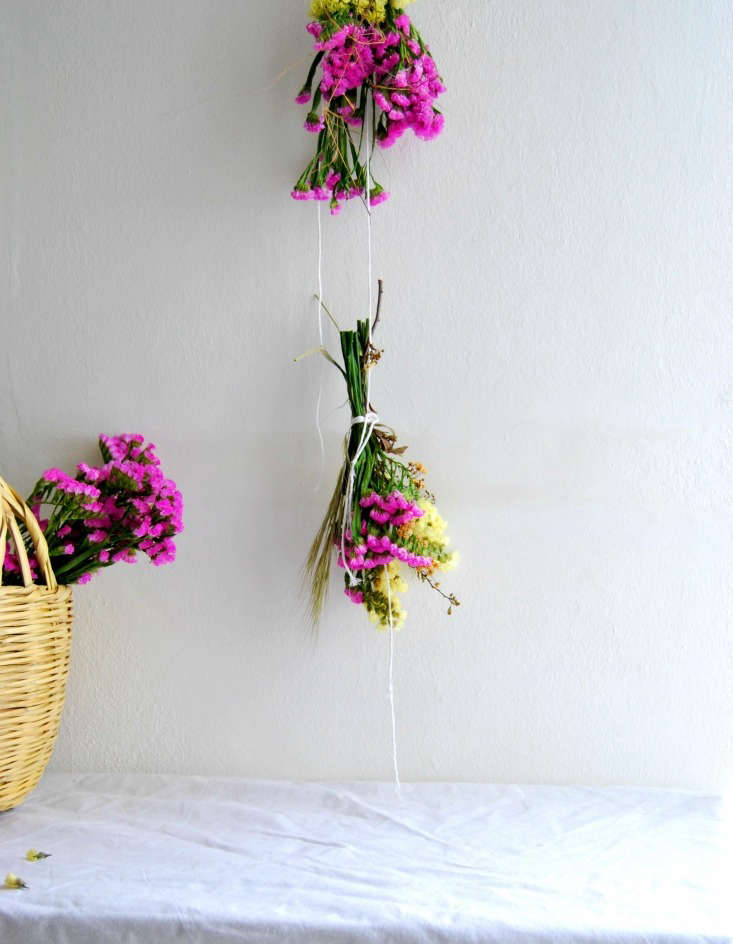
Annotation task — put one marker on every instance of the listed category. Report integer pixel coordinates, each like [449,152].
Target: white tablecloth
[193,859]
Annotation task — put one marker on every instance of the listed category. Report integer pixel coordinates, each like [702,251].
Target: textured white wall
[558,352]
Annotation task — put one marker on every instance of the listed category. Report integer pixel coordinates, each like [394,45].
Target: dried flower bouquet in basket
[104,514]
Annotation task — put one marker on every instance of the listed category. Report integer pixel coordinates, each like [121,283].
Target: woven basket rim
[20,590]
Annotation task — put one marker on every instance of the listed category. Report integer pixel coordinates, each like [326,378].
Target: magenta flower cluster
[386,515]
[393,509]
[388,63]
[106,514]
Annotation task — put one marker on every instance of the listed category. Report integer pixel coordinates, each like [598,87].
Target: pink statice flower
[314,122]
[377,195]
[105,513]
[402,22]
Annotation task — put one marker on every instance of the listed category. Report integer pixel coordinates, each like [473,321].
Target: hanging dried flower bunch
[372,79]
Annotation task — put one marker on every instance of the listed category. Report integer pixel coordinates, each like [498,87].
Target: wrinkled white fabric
[150,860]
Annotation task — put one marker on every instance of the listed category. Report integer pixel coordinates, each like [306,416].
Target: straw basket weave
[35,642]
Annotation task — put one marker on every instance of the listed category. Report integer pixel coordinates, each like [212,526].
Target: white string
[368,422]
[370,419]
[369,118]
[369,415]
[319,302]
[397,782]
[320,274]
[370,144]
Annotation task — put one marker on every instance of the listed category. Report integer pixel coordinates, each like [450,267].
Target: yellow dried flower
[12,881]
[396,586]
[373,11]
[431,527]
[451,562]
[33,855]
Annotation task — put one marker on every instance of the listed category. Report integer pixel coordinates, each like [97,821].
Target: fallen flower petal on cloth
[12,881]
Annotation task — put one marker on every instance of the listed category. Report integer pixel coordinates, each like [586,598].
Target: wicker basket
[35,642]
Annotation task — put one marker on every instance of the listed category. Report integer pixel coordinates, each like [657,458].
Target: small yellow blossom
[12,881]
[397,585]
[33,855]
[451,562]
[326,8]
[429,530]
[373,11]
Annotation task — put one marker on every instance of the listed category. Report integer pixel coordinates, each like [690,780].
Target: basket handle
[12,510]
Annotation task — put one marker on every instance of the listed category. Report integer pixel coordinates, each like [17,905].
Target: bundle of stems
[355,347]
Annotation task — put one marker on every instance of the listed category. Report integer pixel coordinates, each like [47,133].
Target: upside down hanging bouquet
[381,518]
[377,80]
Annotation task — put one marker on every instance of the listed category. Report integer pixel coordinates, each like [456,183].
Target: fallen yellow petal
[33,855]
[12,881]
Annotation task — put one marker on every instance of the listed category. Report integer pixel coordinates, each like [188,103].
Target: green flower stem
[354,347]
[312,71]
[86,555]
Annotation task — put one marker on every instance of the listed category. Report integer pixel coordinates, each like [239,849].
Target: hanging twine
[319,303]
[395,765]
[368,422]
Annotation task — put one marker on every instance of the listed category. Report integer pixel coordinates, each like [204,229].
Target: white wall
[558,352]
